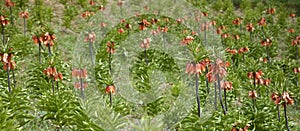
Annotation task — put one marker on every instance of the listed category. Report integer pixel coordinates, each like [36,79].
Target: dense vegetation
[149,65]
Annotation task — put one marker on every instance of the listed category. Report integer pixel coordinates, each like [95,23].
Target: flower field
[150,65]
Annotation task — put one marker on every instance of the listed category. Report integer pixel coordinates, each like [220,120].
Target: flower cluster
[52,73]
[296,41]
[285,97]
[3,20]
[217,69]
[187,40]
[80,74]
[90,37]
[258,78]
[8,62]
[110,89]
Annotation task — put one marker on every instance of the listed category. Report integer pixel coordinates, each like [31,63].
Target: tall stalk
[49,49]
[3,34]
[206,80]
[8,78]
[225,102]
[52,81]
[11,16]
[91,52]
[146,58]
[215,102]
[220,94]
[81,88]
[24,21]
[109,62]
[110,98]
[13,75]
[197,94]
[278,113]
[285,115]
[40,46]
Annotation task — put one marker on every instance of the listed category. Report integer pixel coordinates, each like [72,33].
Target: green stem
[278,113]
[197,94]
[8,77]
[52,81]
[91,52]
[220,94]
[285,115]
[81,88]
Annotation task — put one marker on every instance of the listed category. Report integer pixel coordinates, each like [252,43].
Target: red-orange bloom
[286,97]
[120,3]
[252,94]
[4,21]
[205,14]
[48,39]
[90,37]
[145,44]
[292,15]
[77,85]
[232,51]
[128,26]
[8,62]
[266,42]
[291,30]
[92,2]
[271,11]
[110,89]
[79,73]
[120,31]
[296,70]
[24,14]
[187,40]
[262,21]
[8,3]
[101,7]
[110,47]
[192,68]
[237,21]
[217,69]
[243,50]
[87,14]
[250,27]
[52,73]
[226,85]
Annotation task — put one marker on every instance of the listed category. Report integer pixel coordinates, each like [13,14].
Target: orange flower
[217,69]
[192,68]
[237,21]
[103,24]
[87,14]
[90,37]
[48,39]
[120,31]
[250,27]
[101,7]
[187,40]
[267,82]
[213,23]
[243,50]
[154,20]
[4,20]
[120,3]
[144,24]
[266,42]
[52,73]
[79,73]
[24,14]
[145,44]
[291,30]
[232,52]
[225,35]
[8,3]
[179,20]
[110,47]
[286,97]
[92,2]
[292,15]
[262,21]
[128,26]
[252,94]
[78,86]
[7,61]
[205,14]
[296,70]
[236,37]
[271,11]
[110,89]
[227,85]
